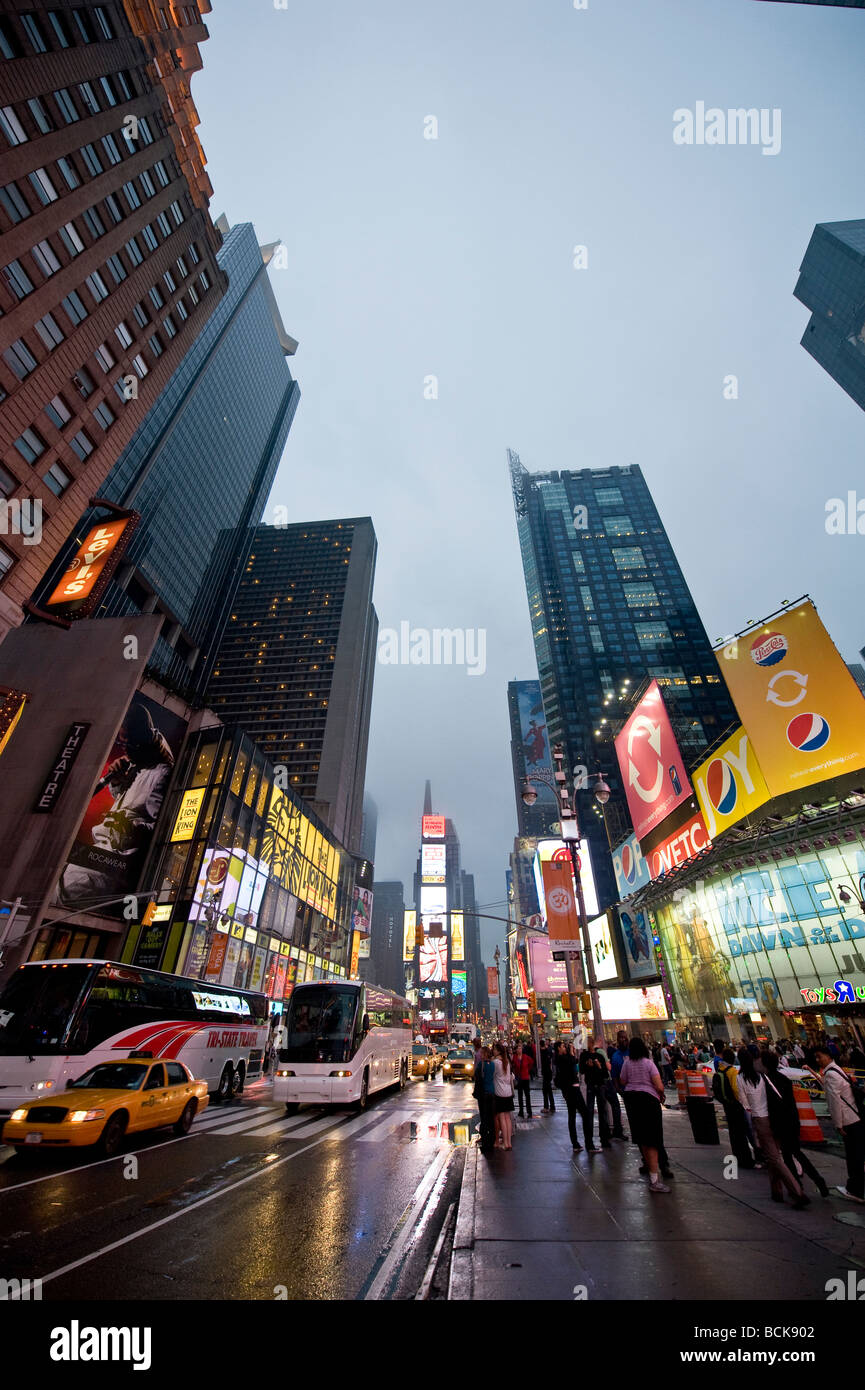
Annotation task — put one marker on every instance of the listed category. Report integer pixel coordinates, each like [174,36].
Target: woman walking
[644,1095]
[784,1119]
[753,1093]
[504,1089]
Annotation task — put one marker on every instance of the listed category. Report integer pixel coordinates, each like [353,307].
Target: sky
[409,258]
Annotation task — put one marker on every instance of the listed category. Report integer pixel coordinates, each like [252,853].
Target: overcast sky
[410,257]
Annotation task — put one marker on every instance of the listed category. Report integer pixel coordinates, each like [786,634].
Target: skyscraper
[296,665]
[609,608]
[385,966]
[107,255]
[199,469]
[832,285]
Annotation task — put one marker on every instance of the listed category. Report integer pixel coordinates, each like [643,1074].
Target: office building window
[91,159]
[108,90]
[117,268]
[147,185]
[142,318]
[11,126]
[109,145]
[83,383]
[69,172]
[130,193]
[45,258]
[145,134]
[58,412]
[34,33]
[115,211]
[30,445]
[88,98]
[133,251]
[17,279]
[640,595]
[104,22]
[97,286]
[39,112]
[49,331]
[20,359]
[71,240]
[57,479]
[631,557]
[652,634]
[618,525]
[156,297]
[8,484]
[140,365]
[14,203]
[155,345]
[608,497]
[149,238]
[122,334]
[161,173]
[82,445]
[94,223]
[66,106]
[58,24]
[103,357]
[104,415]
[6,562]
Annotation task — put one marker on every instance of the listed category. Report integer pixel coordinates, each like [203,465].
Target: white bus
[341,1041]
[58,1018]
[464,1032]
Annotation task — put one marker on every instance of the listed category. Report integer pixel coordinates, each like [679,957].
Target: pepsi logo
[808,732]
[629,864]
[721,785]
[769,648]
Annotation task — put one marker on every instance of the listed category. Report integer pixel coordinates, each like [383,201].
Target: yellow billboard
[458,940]
[187,816]
[408,935]
[803,711]
[729,784]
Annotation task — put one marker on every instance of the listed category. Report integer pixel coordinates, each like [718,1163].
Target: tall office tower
[609,608]
[448,963]
[385,966]
[477,978]
[832,285]
[108,267]
[857,671]
[296,665]
[200,468]
[369,829]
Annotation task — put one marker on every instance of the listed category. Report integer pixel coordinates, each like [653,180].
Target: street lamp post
[497,958]
[570,834]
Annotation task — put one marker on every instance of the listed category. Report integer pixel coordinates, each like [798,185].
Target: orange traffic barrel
[696,1083]
[809,1126]
[682,1087]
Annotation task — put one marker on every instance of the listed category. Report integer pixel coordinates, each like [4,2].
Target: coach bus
[59,1018]
[341,1042]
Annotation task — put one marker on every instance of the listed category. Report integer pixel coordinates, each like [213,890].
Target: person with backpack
[726,1093]
[547,1078]
[784,1118]
[568,1082]
[595,1072]
[753,1093]
[846,1101]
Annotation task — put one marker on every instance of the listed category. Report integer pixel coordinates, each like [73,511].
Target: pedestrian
[594,1070]
[753,1095]
[567,1074]
[546,1060]
[503,1086]
[726,1092]
[612,1089]
[857,1058]
[784,1118]
[644,1098]
[485,1094]
[523,1077]
[667,1066]
[845,1109]
[799,1052]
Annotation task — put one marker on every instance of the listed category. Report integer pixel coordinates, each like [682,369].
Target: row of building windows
[58,30]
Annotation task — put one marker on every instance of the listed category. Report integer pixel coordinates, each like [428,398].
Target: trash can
[704,1125]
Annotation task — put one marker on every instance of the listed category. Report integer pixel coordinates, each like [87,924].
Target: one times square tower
[610,609]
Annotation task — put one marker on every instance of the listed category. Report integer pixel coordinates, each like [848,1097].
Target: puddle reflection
[460,1132]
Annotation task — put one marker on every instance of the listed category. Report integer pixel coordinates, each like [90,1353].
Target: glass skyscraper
[610,609]
[832,285]
[200,468]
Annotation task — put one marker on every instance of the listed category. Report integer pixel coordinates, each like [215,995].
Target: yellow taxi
[424,1061]
[108,1102]
[459,1065]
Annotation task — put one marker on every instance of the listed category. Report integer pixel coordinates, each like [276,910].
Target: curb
[461,1279]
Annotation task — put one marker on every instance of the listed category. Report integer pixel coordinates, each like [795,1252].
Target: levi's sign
[63,765]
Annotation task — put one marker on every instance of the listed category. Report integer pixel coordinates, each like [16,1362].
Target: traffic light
[586,1003]
[533,1000]
[566,1003]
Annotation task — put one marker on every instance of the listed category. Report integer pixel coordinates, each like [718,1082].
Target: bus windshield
[35,1009]
[320,1024]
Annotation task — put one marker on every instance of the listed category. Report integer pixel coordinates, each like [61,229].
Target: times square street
[398,1203]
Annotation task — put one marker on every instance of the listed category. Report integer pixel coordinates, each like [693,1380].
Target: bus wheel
[112,1135]
[363,1098]
[292,1107]
[184,1124]
[226,1083]
[403,1075]
[239,1079]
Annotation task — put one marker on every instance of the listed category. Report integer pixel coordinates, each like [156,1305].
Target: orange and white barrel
[809,1126]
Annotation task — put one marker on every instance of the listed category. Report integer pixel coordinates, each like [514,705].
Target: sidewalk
[541,1222]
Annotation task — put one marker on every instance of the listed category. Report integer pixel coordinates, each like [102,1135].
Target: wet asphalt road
[251,1205]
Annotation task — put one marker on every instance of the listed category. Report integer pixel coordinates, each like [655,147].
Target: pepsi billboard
[630,867]
[730,784]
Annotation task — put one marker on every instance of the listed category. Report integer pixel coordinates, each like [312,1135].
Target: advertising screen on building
[458,937]
[535,739]
[549,977]
[433,901]
[682,837]
[187,815]
[623,1004]
[433,962]
[492,982]
[304,860]
[801,707]
[602,949]
[630,868]
[459,988]
[409,927]
[557,849]
[92,565]
[563,921]
[653,773]
[433,827]
[361,910]
[639,951]
[433,863]
[115,833]
[730,784]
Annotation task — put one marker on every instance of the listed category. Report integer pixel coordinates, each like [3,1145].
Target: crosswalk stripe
[361,1122]
[394,1120]
[262,1125]
[256,1115]
[326,1122]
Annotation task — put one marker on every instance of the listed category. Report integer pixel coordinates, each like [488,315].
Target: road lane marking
[260,1123]
[396,1250]
[258,1115]
[305,1127]
[388,1125]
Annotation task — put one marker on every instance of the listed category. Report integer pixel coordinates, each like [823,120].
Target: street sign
[559,955]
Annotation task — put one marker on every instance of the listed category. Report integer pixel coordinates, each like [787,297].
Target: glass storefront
[765,945]
[252,889]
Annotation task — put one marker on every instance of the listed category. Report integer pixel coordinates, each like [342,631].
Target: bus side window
[365,1026]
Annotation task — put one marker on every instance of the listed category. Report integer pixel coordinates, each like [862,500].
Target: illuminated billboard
[730,784]
[433,827]
[304,860]
[187,815]
[92,565]
[459,988]
[682,841]
[433,863]
[535,742]
[801,707]
[433,960]
[409,928]
[653,773]
[549,977]
[630,868]
[433,902]
[621,1005]
[458,945]
[557,849]
[640,958]
[603,955]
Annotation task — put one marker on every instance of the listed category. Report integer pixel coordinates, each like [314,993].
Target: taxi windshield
[419,1050]
[112,1076]
[460,1054]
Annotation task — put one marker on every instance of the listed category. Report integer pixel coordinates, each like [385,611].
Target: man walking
[523,1078]
[594,1069]
[547,1078]
[568,1082]
[846,1117]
